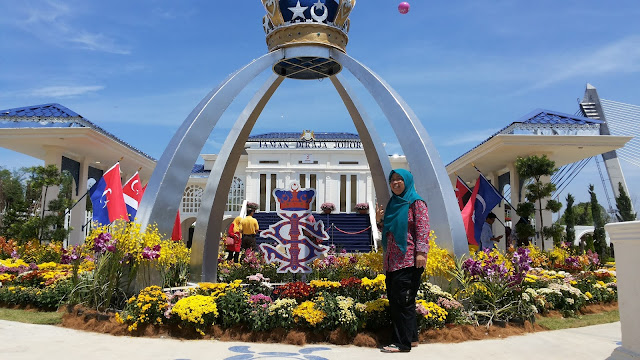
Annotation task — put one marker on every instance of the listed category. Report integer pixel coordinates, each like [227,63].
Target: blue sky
[467,68]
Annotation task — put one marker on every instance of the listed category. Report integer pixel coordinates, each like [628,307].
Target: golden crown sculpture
[307,22]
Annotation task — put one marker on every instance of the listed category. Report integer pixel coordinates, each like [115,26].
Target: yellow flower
[308,311]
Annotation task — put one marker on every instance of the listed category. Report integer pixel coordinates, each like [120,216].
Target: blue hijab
[396,215]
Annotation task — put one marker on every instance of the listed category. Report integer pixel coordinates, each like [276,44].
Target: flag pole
[505,199]
[494,188]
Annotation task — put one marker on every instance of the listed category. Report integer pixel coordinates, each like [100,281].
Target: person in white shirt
[486,236]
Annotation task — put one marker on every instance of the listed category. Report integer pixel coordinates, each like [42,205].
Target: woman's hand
[421,260]
[379,213]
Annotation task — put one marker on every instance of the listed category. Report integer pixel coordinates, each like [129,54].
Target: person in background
[249,227]
[234,232]
[405,240]
[486,236]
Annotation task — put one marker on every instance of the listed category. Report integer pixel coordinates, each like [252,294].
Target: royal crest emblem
[295,249]
[307,135]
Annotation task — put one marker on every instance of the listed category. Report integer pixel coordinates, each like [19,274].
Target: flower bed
[343,298]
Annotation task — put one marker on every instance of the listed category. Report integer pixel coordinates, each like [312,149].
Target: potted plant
[327,207]
[362,208]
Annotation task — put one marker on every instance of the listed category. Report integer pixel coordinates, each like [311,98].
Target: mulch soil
[90,320]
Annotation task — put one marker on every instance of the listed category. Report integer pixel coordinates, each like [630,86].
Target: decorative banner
[294,249]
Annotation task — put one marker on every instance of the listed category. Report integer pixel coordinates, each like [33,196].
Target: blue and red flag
[132,192]
[483,199]
[107,198]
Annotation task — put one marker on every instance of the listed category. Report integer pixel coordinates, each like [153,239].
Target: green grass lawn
[552,323]
[31,317]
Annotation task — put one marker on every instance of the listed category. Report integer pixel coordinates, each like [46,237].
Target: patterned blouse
[417,240]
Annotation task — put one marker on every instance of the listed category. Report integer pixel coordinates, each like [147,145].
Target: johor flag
[467,215]
[132,191]
[463,193]
[107,198]
[176,234]
[483,199]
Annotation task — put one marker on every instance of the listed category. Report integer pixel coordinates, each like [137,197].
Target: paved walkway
[27,341]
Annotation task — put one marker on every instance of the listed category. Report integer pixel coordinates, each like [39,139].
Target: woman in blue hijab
[405,240]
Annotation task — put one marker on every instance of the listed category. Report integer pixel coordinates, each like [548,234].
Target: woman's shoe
[393,348]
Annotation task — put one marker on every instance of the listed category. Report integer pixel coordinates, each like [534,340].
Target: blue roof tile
[46,110]
[541,116]
[293,136]
[52,116]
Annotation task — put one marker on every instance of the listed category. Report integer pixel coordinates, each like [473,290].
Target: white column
[626,241]
[78,212]
[514,182]
[53,156]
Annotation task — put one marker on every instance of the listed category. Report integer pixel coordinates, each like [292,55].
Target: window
[236,195]
[348,162]
[269,162]
[191,199]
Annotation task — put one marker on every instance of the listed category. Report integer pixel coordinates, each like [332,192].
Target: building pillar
[547,219]
[76,236]
[624,236]
[514,184]
[53,156]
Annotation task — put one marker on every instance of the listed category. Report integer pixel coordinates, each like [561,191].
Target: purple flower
[151,253]
[15,255]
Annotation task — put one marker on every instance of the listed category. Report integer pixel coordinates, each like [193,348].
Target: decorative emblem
[307,135]
[294,250]
[298,11]
[346,6]
[319,6]
[273,12]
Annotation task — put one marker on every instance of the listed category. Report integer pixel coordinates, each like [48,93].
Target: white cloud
[99,42]
[622,56]
[64,91]
[474,137]
[56,23]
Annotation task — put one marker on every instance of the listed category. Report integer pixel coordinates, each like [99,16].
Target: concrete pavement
[27,341]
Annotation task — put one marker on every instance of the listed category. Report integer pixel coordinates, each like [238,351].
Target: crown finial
[307,22]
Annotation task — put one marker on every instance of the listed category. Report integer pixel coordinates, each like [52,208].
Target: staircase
[345,230]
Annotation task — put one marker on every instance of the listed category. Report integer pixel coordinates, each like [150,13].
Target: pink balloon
[403,8]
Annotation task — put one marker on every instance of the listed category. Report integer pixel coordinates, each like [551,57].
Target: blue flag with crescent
[486,199]
[100,209]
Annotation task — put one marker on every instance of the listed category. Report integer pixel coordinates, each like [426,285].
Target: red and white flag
[132,191]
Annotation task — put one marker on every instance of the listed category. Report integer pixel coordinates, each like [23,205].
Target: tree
[12,202]
[570,220]
[599,240]
[535,167]
[43,177]
[623,203]
[583,216]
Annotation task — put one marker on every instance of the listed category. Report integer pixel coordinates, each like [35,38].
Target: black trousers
[249,242]
[402,287]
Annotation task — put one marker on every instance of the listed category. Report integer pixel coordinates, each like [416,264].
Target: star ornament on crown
[310,22]
[294,250]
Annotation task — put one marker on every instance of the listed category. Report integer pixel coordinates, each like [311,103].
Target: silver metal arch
[430,175]
[173,169]
[379,164]
[169,179]
[206,237]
